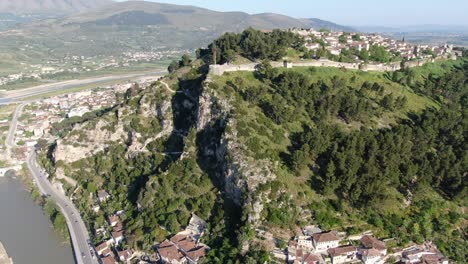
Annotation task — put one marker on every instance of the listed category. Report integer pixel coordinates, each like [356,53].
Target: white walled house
[324,241]
[305,242]
[371,256]
[343,254]
[117,237]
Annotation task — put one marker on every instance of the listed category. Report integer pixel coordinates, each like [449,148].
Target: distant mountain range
[57,7]
[137,26]
[141,13]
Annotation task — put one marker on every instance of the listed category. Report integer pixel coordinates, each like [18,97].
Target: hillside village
[339,43]
[315,246]
[183,247]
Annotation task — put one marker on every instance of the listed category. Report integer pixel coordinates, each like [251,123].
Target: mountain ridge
[49,6]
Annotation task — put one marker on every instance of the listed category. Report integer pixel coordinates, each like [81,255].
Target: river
[25,231]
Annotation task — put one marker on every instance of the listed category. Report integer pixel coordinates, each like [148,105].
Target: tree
[379,54]
[265,70]
[185,61]
[356,37]
[342,38]
[364,55]
[388,102]
[173,66]
[229,55]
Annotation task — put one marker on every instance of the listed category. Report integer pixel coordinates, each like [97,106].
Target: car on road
[83,255]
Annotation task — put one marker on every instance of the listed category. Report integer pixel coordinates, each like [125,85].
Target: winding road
[78,232]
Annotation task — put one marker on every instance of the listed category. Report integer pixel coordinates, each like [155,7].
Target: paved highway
[8,97]
[78,232]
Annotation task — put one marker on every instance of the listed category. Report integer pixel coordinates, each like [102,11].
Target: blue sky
[350,12]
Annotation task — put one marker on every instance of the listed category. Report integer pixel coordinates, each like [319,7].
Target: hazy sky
[350,12]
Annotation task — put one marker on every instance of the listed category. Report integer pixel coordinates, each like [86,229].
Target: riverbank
[26,231]
[4,258]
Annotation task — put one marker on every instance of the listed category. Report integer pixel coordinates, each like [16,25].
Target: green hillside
[276,150]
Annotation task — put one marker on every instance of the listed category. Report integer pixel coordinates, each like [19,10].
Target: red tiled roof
[113,219]
[372,242]
[311,259]
[106,252]
[108,260]
[118,227]
[169,251]
[197,253]
[185,243]
[117,234]
[370,252]
[101,246]
[341,250]
[325,237]
[124,255]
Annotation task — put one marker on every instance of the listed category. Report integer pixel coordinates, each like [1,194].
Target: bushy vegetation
[253,44]
[57,218]
[405,181]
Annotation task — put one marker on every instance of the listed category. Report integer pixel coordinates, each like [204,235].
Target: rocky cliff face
[93,136]
[240,173]
[84,141]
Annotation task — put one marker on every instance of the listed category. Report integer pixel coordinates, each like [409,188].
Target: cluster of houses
[336,42]
[37,118]
[184,247]
[108,249]
[317,247]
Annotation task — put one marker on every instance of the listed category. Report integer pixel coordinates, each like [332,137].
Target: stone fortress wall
[250,67]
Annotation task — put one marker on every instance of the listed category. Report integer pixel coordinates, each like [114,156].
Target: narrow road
[10,143]
[78,232]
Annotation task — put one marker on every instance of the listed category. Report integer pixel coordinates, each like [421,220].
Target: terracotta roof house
[196,254]
[324,241]
[372,242]
[101,248]
[118,227]
[305,242]
[312,259]
[185,243]
[117,237]
[342,254]
[170,254]
[108,260]
[114,220]
[125,255]
[434,259]
[370,256]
